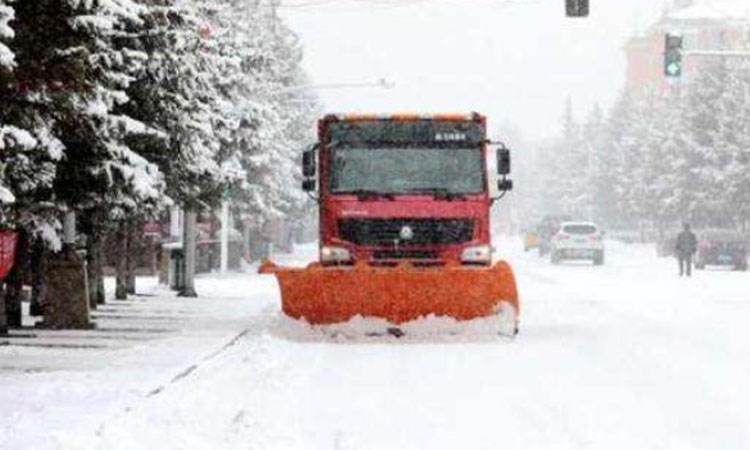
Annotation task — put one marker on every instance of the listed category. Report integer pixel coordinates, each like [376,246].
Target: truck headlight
[334,254]
[477,254]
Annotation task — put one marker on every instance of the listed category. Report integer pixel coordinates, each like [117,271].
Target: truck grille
[425,231]
[405,254]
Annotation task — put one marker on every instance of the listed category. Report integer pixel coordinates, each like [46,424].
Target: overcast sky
[516,61]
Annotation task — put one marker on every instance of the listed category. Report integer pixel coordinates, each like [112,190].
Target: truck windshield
[407,170]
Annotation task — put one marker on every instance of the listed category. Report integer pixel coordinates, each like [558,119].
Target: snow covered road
[622,356]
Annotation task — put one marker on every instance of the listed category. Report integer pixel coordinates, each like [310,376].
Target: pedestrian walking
[685,247]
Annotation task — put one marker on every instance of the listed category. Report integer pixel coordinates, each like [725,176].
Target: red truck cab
[403,187]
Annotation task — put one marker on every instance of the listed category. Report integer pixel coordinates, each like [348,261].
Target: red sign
[7,251]
[152,227]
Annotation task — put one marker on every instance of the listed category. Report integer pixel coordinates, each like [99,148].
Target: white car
[578,240]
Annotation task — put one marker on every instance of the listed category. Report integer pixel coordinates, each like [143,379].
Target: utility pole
[175,223]
[381,83]
[69,231]
[224,235]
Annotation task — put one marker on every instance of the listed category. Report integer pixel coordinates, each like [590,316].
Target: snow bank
[369,329]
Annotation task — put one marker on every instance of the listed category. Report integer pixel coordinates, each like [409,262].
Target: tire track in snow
[196,409]
[193,367]
[182,375]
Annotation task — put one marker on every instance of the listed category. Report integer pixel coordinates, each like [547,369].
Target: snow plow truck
[404,224]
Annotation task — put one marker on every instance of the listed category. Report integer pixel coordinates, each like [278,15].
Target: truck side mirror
[308,185]
[504,185]
[308,163]
[503,161]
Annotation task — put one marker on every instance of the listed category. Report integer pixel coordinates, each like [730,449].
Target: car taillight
[595,238]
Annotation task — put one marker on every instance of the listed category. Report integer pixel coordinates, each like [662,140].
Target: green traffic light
[672,56]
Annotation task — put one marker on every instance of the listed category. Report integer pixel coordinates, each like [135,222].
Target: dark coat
[687,244]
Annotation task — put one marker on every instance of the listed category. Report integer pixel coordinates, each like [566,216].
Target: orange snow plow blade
[327,295]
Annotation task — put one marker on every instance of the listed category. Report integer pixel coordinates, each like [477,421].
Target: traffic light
[673,56]
[577,8]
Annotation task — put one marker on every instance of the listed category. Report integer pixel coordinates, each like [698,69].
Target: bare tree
[121,266]
[190,253]
[94,254]
[132,255]
[39,268]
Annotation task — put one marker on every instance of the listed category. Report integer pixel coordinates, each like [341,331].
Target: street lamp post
[379,83]
[224,247]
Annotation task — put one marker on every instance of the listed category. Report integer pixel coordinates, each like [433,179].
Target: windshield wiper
[364,194]
[439,193]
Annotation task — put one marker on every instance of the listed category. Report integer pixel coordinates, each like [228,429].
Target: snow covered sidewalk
[60,385]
